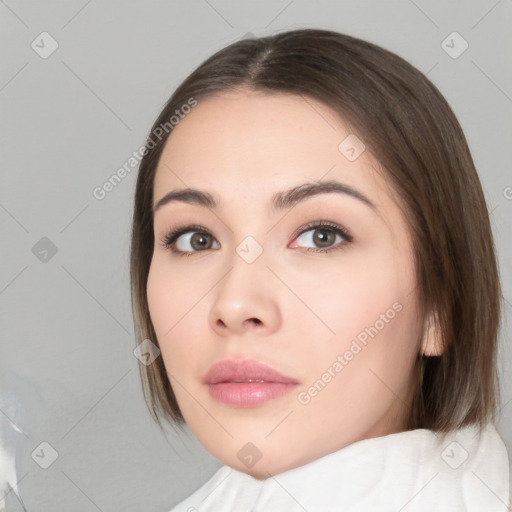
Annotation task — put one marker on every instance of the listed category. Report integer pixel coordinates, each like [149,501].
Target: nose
[246,301]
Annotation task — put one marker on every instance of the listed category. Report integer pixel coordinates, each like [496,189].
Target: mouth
[246,383]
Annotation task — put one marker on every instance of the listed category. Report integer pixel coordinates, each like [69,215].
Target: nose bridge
[244,298]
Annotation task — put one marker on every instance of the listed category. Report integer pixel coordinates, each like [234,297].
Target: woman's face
[264,279]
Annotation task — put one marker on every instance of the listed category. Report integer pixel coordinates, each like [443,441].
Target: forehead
[243,141]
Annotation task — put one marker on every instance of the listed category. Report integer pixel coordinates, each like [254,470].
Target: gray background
[68,373]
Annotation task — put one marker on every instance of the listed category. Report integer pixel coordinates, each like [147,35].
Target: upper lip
[233,370]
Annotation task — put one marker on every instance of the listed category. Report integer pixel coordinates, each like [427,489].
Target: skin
[243,147]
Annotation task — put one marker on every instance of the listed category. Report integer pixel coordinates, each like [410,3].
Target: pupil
[324,239]
[200,240]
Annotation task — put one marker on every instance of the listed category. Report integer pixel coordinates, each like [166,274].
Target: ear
[432,342]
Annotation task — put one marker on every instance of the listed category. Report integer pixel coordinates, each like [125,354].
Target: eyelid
[173,234]
[323,223]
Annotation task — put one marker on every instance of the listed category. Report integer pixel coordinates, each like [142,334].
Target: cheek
[350,293]
[178,306]
[171,295]
[170,300]
[369,304]
[160,299]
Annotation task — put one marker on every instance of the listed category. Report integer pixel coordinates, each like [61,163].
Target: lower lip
[248,394]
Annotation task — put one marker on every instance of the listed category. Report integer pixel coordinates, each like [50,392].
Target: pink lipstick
[246,383]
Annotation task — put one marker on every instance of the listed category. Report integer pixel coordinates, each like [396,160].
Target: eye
[323,236]
[188,240]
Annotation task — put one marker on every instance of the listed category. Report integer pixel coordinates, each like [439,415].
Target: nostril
[249,322]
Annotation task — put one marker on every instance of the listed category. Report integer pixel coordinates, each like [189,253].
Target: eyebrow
[280,201]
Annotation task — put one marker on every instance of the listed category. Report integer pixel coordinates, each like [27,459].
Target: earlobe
[432,343]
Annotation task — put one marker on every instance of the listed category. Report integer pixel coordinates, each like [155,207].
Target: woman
[312,256]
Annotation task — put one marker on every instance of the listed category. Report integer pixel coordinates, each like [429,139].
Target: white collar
[416,470]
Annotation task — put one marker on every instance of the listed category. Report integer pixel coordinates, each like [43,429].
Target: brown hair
[407,125]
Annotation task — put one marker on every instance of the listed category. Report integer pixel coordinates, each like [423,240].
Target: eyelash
[168,242]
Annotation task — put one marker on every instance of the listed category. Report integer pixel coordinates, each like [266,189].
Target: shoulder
[226,490]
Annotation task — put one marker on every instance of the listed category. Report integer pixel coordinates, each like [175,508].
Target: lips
[246,383]
[247,370]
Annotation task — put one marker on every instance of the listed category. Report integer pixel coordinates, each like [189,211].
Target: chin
[262,469]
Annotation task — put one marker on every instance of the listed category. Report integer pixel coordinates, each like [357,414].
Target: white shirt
[410,471]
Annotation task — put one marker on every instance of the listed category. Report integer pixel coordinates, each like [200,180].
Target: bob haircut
[408,126]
